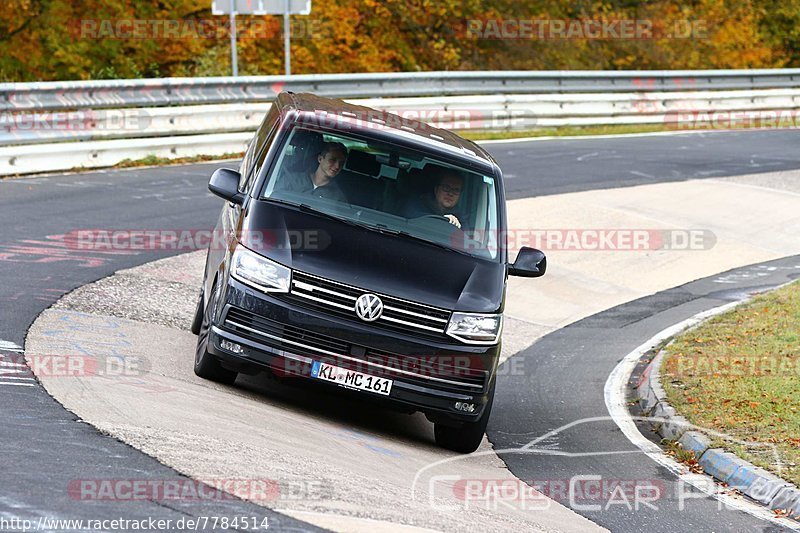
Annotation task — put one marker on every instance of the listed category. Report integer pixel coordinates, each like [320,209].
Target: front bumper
[428,375]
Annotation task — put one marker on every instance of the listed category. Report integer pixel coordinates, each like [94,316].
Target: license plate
[351,379]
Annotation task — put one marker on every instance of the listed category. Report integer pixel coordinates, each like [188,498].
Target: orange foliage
[45,39]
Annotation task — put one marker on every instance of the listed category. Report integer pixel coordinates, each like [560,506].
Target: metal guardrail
[453,112]
[183,91]
[38,158]
[38,120]
[500,112]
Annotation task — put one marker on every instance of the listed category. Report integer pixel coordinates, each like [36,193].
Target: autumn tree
[47,39]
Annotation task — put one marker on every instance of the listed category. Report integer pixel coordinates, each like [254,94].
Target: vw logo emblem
[369,307]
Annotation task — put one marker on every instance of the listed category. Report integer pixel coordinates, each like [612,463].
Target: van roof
[346,114]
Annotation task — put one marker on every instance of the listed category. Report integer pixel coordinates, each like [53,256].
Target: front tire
[468,436]
[206,364]
[197,321]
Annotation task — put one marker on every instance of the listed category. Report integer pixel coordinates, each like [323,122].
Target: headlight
[475,329]
[259,272]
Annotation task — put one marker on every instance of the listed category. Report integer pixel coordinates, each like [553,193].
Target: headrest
[363,162]
[306,139]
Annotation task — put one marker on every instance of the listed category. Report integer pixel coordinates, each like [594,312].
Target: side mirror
[224,183]
[530,263]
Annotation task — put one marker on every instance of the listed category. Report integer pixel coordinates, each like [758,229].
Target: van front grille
[339,299]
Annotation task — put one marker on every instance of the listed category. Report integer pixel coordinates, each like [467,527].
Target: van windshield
[389,189]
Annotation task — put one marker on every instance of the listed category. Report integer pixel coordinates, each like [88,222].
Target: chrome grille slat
[397,309]
[323,301]
[405,323]
[398,313]
[302,286]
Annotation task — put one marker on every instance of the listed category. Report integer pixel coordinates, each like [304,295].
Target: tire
[206,364]
[468,436]
[197,322]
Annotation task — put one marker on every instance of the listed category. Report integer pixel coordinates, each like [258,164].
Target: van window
[257,151]
[388,188]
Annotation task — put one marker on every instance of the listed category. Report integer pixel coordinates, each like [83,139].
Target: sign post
[262,7]
[287,35]
[234,51]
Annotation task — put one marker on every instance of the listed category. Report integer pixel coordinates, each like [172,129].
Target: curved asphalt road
[560,392]
[45,448]
[569,165]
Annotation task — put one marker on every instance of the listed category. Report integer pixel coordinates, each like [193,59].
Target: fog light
[231,346]
[466,407]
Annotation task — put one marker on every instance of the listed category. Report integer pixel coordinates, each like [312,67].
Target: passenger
[442,201]
[320,182]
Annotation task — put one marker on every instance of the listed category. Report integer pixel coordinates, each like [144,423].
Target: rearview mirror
[224,183]
[530,263]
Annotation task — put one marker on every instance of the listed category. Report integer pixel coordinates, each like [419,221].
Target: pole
[234,55]
[287,52]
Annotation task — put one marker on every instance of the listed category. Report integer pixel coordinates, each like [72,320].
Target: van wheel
[206,365]
[468,436]
[197,321]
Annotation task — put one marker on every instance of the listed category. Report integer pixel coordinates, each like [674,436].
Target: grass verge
[565,131]
[611,129]
[151,161]
[739,374]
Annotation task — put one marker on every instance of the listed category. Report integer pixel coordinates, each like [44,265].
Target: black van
[365,251]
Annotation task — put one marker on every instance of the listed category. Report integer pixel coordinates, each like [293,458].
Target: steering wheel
[436,217]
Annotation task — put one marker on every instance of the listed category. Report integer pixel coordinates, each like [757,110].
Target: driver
[320,182]
[442,201]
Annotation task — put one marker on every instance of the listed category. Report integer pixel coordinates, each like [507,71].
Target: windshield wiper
[391,231]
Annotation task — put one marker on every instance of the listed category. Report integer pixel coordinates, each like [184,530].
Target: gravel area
[164,292]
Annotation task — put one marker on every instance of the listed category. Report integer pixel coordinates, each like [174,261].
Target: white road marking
[642,174]
[14,383]
[617,385]
[709,172]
